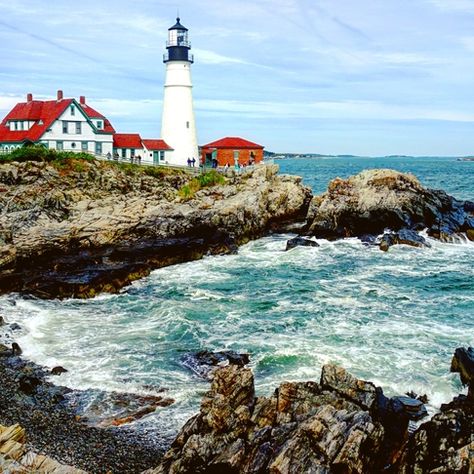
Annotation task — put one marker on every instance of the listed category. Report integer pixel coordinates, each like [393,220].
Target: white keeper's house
[71,125]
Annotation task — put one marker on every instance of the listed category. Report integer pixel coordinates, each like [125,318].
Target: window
[124,152]
[99,123]
[59,146]
[65,126]
[73,145]
[162,155]
[78,128]
[98,148]
[132,152]
[84,146]
[21,126]
[16,125]
[73,110]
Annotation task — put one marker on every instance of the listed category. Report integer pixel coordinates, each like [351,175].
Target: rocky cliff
[339,425]
[376,200]
[83,227]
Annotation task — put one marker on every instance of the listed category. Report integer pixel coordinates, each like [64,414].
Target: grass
[40,153]
[211,178]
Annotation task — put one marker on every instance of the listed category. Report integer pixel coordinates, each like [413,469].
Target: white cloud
[343,110]
[454,5]
[210,57]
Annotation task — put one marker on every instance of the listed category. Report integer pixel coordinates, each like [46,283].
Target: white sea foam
[393,318]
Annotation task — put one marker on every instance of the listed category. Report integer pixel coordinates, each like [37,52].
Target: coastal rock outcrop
[16,457]
[375,200]
[337,425]
[446,442]
[341,424]
[92,226]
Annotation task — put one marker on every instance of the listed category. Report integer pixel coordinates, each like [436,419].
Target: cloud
[342,110]
[210,57]
[454,5]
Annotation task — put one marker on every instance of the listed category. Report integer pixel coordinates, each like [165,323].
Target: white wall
[178,126]
[87,134]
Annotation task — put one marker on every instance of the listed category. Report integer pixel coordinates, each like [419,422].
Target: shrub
[40,153]
[211,178]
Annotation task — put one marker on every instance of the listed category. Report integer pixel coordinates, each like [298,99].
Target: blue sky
[366,77]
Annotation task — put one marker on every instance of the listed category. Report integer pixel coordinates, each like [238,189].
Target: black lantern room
[178,44]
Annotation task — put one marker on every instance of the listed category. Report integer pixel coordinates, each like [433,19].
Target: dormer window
[99,123]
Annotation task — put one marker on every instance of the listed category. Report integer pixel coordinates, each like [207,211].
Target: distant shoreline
[282,156]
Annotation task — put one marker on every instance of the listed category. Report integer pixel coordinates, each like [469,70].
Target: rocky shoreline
[339,424]
[77,231]
[95,228]
[52,425]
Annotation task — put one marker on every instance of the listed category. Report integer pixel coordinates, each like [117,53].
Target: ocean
[394,318]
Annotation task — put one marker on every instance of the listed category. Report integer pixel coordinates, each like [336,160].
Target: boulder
[375,200]
[29,383]
[204,363]
[58,370]
[16,349]
[300,242]
[402,237]
[463,363]
[358,391]
[302,427]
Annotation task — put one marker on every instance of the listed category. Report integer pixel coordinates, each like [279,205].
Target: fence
[134,161]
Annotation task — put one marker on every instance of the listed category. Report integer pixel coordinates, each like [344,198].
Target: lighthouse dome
[178,26]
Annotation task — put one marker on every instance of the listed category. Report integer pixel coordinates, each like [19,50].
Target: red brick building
[231,150]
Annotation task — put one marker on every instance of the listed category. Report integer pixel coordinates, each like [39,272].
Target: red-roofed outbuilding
[231,151]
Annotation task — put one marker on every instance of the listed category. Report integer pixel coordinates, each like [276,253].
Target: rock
[28,384]
[2,321]
[470,234]
[204,363]
[60,226]
[402,237]
[105,409]
[16,457]
[14,327]
[5,351]
[58,370]
[463,362]
[375,200]
[336,378]
[300,242]
[16,349]
[443,444]
[415,409]
[302,427]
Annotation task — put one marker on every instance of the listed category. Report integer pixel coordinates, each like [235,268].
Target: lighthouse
[178,126]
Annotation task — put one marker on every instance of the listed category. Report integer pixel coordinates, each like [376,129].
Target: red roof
[152,144]
[92,113]
[232,142]
[127,140]
[44,113]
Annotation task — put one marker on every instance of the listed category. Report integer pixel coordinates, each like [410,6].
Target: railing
[186,44]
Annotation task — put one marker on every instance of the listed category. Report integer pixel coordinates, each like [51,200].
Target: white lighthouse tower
[178,126]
